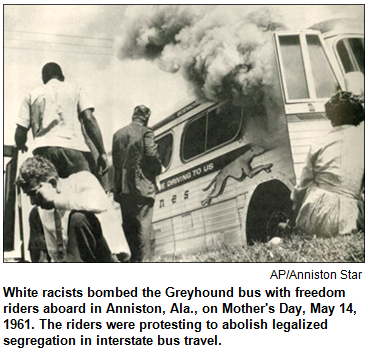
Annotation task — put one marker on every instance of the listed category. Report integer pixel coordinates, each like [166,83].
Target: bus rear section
[228,179]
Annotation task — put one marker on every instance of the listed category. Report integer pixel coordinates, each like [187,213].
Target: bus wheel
[269,207]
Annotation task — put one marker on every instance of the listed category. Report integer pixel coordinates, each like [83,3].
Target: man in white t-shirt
[56,113]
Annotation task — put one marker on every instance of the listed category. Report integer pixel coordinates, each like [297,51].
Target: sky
[35,35]
[90,44]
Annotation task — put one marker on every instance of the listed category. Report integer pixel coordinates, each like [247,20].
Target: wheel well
[269,197]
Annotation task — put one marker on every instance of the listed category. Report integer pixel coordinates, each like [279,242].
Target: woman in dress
[329,194]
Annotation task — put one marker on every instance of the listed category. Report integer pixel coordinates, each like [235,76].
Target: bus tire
[270,205]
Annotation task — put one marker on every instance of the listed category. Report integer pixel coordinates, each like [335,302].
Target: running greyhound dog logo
[238,169]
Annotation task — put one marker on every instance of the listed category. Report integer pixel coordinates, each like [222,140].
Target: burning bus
[230,169]
[230,165]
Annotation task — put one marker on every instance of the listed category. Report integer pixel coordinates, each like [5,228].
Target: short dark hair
[345,108]
[51,70]
[142,111]
[36,167]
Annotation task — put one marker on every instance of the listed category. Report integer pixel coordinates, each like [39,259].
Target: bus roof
[183,111]
[176,114]
[338,24]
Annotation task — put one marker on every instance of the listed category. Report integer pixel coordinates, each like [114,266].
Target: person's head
[32,173]
[52,70]
[344,108]
[141,113]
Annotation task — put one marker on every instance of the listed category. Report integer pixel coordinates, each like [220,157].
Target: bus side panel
[223,226]
[164,238]
[189,233]
[200,230]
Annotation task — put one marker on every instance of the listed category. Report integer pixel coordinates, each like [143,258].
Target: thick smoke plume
[225,52]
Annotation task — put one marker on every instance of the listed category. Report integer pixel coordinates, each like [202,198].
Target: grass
[293,248]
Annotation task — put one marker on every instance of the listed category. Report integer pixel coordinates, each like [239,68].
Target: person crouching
[74,211]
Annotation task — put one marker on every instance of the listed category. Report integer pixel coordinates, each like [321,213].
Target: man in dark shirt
[136,163]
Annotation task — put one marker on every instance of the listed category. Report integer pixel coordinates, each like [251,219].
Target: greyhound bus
[229,170]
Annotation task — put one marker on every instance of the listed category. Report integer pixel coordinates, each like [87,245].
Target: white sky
[114,86]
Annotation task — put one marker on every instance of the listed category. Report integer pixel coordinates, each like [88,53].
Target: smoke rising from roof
[225,52]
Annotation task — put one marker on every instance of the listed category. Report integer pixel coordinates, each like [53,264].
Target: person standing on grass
[136,163]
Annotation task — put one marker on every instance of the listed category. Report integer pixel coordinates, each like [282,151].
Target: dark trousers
[86,242]
[85,238]
[67,161]
[37,244]
[137,225]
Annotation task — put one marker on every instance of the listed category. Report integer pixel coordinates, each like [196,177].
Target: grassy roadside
[293,248]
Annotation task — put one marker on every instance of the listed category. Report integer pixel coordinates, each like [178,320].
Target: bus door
[309,77]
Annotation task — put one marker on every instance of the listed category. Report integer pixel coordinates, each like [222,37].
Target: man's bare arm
[20,138]
[94,133]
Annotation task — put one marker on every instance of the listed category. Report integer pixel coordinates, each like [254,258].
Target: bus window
[165,148]
[357,47]
[195,138]
[217,127]
[351,54]
[293,66]
[223,125]
[324,80]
